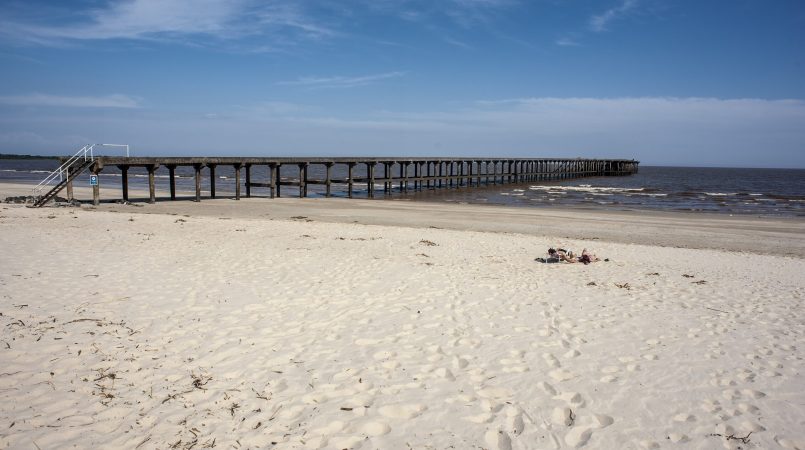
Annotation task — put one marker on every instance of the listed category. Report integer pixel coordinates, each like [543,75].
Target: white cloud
[598,23]
[567,42]
[341,81]
[108,101]
[165,19]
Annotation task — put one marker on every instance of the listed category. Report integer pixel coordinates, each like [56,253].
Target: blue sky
[714,83]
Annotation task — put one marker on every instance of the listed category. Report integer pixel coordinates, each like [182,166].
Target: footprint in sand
[578,436]
[678,438]
[563,416]
[546,388]
[561,375]
[498,440]
[495,393]
[345,441]
[514,423]
[551,360]
[684,418]
[573,399]
[408,411]
[374,428]
[602,420]
[480,418]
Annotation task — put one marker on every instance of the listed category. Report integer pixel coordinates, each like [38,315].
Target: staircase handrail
[64,169]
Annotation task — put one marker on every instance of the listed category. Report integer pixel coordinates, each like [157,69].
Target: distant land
[14,156]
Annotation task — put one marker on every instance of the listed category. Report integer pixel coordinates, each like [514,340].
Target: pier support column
[350,183]
[274,177]
[328,184]
[96,189]
[441,174]
[402,176]
[302,180]
[124,181]
[152,191]
[469,173]
[69,186]
[197,168]
[237,180]
[248,180]
[212,180]
[370,185]
[386,174]
[450,173]
[172,181]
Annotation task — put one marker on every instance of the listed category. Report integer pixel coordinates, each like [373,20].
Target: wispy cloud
[173,19]
[341,81]
[599,22]
[567,42]
[108,101]
[457,43]
[465,13]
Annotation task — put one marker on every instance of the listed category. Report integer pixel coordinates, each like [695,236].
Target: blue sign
[93,180]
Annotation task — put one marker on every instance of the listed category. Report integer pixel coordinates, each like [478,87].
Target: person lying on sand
[587,257]
[562,255]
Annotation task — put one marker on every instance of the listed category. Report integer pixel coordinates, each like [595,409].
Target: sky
[666,82]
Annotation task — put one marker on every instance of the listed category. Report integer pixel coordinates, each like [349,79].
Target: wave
[585,188]
[26,171]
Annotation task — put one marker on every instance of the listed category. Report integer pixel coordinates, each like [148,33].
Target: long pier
[393,174]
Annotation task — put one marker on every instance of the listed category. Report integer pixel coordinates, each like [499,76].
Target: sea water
[765,192]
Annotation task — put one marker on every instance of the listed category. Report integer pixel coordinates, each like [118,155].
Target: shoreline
[783,236]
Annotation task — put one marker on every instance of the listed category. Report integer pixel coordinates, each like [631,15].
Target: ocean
[760,192]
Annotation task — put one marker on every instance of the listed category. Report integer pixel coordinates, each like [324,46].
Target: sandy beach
[333,323]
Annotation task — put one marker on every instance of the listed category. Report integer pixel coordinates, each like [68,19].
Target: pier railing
[398,174]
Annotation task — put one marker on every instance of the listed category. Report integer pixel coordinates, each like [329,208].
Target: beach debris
[731,437]
[200,380]
[624,286]
[422,254]
[688,276]
[305,218]
[653,274]
[179,221]
[591,283]
[699,282]
[428,243]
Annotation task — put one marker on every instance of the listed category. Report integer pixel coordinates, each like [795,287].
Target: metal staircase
[71,168]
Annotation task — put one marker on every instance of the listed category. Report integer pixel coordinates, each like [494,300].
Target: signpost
[93,180]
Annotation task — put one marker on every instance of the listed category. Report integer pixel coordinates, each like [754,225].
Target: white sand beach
[332,323]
